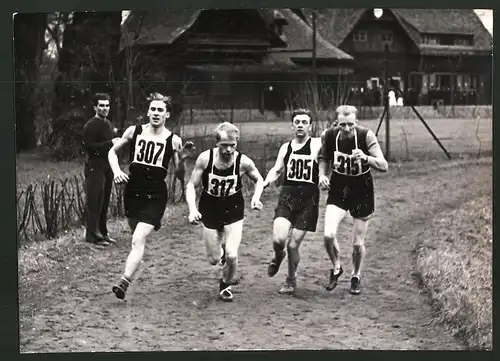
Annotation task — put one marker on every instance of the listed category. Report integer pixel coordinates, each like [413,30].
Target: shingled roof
[336,24]
[166,26]
[448,21]
[299,37]
[156,27]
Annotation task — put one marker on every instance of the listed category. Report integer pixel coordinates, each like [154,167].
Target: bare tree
[56,23]
[140,65]
[322,100]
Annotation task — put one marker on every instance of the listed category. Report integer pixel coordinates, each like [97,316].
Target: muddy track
[173,306]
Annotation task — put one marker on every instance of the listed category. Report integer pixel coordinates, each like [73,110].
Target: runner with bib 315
[351,151]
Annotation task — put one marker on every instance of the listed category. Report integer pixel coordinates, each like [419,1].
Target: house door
[397,82]
[416,82]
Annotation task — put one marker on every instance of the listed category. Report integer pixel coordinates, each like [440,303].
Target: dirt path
[172,305]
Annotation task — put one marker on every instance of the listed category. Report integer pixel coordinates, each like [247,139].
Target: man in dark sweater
[97,141]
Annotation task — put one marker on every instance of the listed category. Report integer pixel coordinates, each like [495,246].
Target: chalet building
[234,58]
[434,56]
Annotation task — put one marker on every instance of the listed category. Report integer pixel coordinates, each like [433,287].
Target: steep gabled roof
[156,27]
[299,37]
[440,21]
[448,21]
[166,26]
[336,24]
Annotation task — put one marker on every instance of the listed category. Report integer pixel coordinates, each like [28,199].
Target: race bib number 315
[346,165]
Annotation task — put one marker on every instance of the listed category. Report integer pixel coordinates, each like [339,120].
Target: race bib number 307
[346,165]
[149,152]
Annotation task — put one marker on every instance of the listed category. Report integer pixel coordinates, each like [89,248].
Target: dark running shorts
[353,194]
[300,205]
[144,205]
[217,212]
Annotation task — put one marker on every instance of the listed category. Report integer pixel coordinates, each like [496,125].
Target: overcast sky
[486,16]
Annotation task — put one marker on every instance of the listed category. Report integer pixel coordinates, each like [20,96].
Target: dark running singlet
[351,183]
[145,196]
[299,196]
[301,166]
[221,201]
[150,156]
[222,183]
[342,153]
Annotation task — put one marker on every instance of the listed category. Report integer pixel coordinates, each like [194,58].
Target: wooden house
[434,56]
[238,58]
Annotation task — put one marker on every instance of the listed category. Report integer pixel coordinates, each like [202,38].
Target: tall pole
[315,84]
[386,104]
[314,46]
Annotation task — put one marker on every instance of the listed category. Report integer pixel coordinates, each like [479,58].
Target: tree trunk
[29,43]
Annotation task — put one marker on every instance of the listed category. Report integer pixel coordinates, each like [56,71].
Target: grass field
[417,246]
[462,138]
[454,259]
[409,139]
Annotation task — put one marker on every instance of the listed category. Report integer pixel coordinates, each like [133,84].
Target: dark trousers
[98,184]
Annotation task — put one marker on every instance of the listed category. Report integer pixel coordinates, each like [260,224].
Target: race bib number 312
[222,186]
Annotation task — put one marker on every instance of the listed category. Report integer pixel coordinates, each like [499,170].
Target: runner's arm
[113,152]
[275,172]
[253,173]
[323,161]
[177,147]
[375,158]
[195,180]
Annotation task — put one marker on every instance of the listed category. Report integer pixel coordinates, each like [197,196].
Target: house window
[387,38]
[469,81]
[397,82]
[462,41]
[279,29]
[416,81]
[432,81]
[360,36]
[373,83]
[443,81]
[430,39]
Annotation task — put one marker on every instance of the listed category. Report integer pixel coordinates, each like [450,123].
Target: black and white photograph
[254,179]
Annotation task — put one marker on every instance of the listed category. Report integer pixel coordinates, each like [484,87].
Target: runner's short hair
[301,111]
[226,130]
[164,98]
[346,110]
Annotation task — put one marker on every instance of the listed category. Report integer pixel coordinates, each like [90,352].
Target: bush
[65,140]
[45,210]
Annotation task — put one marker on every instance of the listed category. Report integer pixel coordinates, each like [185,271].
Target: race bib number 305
[346,165]
[300,168]
[149,152]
